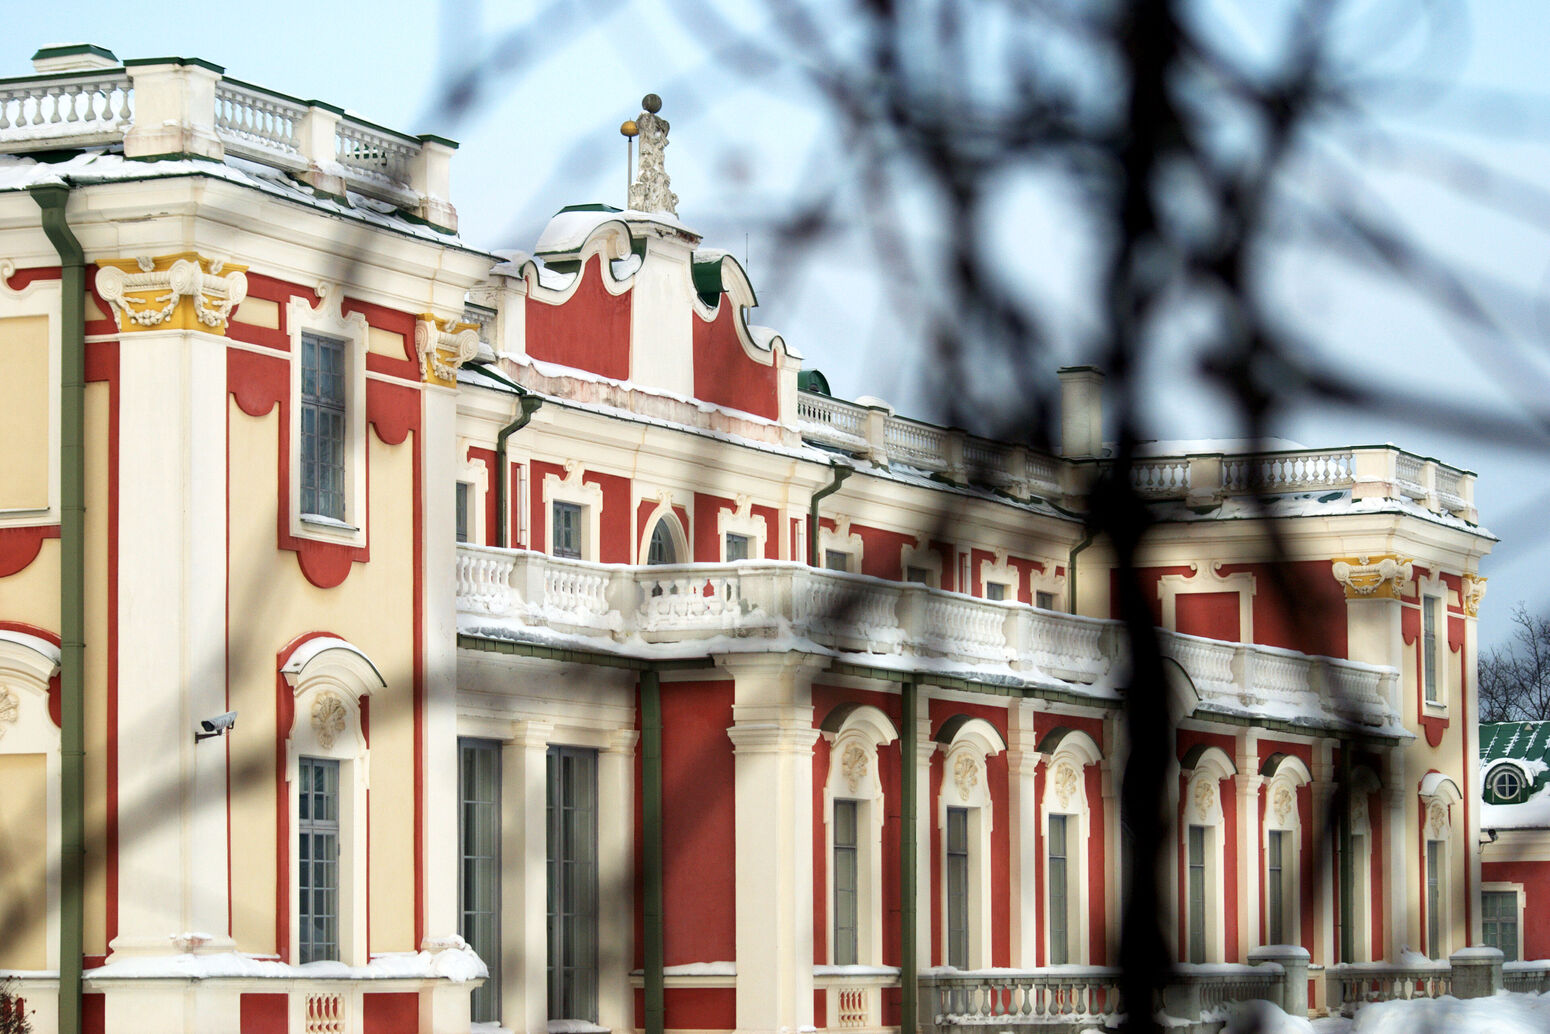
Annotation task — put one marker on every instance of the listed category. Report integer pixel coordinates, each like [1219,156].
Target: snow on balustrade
[1160,478]
[65,110]
[1409,473]
[1287,472]
[646,611]
[1413,977]
[258,124]
[830,414]
[376,162]
[949,998]
[919,445]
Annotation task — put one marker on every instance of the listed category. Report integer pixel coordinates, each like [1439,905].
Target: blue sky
[545,134]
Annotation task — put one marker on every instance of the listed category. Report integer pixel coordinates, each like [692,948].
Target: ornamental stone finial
[651,191]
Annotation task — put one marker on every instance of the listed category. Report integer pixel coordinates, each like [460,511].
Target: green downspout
[1347,874]
[651,824]
[72,591]
[529,405]
[841,472]
[1071,570]
[909,964]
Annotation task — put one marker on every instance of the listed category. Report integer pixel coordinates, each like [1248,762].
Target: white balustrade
[65,110]
[258,124]
[1362,982]
[1160,478]
[376,162]
[915,443]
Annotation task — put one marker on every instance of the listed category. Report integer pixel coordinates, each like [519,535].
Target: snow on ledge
[575,1027]
[457,964]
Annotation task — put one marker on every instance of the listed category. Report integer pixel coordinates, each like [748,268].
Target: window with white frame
[328,422]
[742,532]
[662,549]
[1430,606]
[1438,796]
[30,821]
[1436,897]
[1066,818]
[1201,848]
[572,882]
[736,546]
[1364,783]
[1501,911]
[964,824]
[853,816]
[666,541]
[920,563]
[575,508]
[1285,776]
[463,494]
[995,591]
[479,886]
[835,560]
[327,772]
[999,580]
[1044,600]
[839,548]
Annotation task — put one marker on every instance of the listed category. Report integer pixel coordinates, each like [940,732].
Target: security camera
[217,725]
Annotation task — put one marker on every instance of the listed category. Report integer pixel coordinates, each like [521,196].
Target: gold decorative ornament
[328,719]
[1382,576]
[171,292]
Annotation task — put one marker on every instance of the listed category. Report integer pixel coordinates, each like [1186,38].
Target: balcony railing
[618,608]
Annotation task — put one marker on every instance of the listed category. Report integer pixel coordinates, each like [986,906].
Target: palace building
[593,667]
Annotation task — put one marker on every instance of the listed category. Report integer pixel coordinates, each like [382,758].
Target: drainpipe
[529,405]
[841,472]
[72,592]
[1347,868]
[651,826]
[909,796]
[1071,570]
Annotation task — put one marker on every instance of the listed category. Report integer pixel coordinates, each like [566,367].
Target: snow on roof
[1526,747]
[1198,446]
[457,963]
[570,227]
[1306,504]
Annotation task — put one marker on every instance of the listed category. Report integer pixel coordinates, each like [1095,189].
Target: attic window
[1506,784]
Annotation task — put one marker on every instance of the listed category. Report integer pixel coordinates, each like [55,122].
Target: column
[1023,761]
[1323,789]
[1116,748]
[1247,783]
[524,879]
[772,736]
[616,880]
[925,817]
[1400,857]
[439,549]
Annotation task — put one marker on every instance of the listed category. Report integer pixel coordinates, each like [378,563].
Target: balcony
[693,610]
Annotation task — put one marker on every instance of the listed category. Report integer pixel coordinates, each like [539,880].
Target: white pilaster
[1400,920]
[772,736]
[438,441]
[661,327]
[928,948]
[1023,761]
[524,880]
[1248,781]
[1323,789]
[616,881]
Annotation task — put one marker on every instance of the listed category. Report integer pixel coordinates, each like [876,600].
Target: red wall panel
[698,823]
[589,331]
[725,374]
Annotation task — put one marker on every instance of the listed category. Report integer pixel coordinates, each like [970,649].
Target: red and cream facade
[633,403]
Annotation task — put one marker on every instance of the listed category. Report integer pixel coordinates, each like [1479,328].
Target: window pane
[462,511]
[1433,898]
[317,834]
[958,888]
[835,560]
[1429,645]
[567,530]
[995,591]
[479,833]
[845,884]
[661,550]
[1275,905]
[572,869]
[1197,894]
[1059,940]
[1044,600]
[737,547]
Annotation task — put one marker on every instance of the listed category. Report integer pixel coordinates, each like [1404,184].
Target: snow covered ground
[1504,1013]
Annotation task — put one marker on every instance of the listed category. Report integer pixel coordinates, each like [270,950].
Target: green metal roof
[1527,742]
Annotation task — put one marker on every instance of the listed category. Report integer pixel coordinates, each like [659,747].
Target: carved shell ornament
[1281,802]
[1436,820]
[10,708]
[1358,809]
[1067,782]
[328,718]
[853,766]
[966,775]
[1205,797]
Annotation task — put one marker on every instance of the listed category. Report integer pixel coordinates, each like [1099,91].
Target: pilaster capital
[622,741]
[532,734]
[772,737]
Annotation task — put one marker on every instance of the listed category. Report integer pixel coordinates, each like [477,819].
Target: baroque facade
[591,664]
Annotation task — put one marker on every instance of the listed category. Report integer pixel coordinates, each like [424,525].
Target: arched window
[1506,783]
[662,550]
[853,816]
[1201,848]
[1066,817]
[1281,847]
[327,769]
[964,822]
[1438,796]
[29,803]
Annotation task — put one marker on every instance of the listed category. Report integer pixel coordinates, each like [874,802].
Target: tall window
[462,510]
[1197,893]
[661,550]
[958,887]
[567,530]
[318,857]
[1429,607]
[322,426]
[572,856]
[845,883]
[737,547]
[1059,936]
[1275,888]
[1434,899]
[1499,921]
[479,891]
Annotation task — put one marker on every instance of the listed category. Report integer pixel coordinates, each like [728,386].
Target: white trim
[328,677]
[1432,590]
[1203,807]
[585,494]
[741,521]
[853,776]
[1171,586]
[965,785]
[1500,887]
[921,555]
[664,512]
[1075,752]
[998,570]
[1291,777]
[27,663]
[327,321]
[476,476]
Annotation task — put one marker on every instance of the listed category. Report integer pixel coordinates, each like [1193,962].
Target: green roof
[1524,742]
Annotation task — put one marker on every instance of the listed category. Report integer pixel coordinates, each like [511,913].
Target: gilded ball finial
[629,128]
[651,102]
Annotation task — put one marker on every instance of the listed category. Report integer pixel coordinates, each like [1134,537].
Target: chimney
[1081,412]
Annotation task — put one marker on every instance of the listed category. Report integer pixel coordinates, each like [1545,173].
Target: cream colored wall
[271,603]
[25,422]
[31,595]
[23,852]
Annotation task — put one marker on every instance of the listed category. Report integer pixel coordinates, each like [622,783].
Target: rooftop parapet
[84,97]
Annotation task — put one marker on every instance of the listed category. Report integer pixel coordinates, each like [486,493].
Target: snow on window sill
[324,521]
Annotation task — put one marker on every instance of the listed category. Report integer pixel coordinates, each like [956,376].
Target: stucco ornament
[328,719]
[443,347]
[1067,782]
[853,766]
[151,292]
[966,775]
[651,191]
[1384,577]
[1281,802]
[10,708]
[1358,809]
[1436,821]
[1474,593]
[1205,798]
